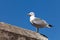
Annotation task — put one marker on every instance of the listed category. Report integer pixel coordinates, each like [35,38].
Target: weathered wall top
[21,31]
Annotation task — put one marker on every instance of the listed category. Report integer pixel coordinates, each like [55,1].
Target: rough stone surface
[10,32]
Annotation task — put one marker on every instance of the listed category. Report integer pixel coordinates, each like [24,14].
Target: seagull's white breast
[32,18]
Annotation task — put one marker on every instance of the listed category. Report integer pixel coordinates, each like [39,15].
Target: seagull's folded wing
[39,22]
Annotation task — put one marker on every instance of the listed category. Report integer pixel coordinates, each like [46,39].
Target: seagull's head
[31,14]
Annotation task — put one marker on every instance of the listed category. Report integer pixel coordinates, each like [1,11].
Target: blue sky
[15,12]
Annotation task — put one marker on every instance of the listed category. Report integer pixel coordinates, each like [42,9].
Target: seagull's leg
[37,30]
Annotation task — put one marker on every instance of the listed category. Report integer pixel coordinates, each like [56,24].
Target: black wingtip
[50,25]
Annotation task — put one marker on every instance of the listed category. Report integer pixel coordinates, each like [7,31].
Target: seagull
[38,22]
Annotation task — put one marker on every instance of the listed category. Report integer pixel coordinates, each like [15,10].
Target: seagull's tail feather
[49,26]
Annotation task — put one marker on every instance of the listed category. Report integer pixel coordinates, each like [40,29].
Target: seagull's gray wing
[39,22]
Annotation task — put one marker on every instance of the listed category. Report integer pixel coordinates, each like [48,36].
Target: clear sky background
[15,12]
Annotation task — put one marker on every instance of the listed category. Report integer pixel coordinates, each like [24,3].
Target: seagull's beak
[28,14]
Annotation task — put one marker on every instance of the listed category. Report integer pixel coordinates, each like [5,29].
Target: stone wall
[10,32]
